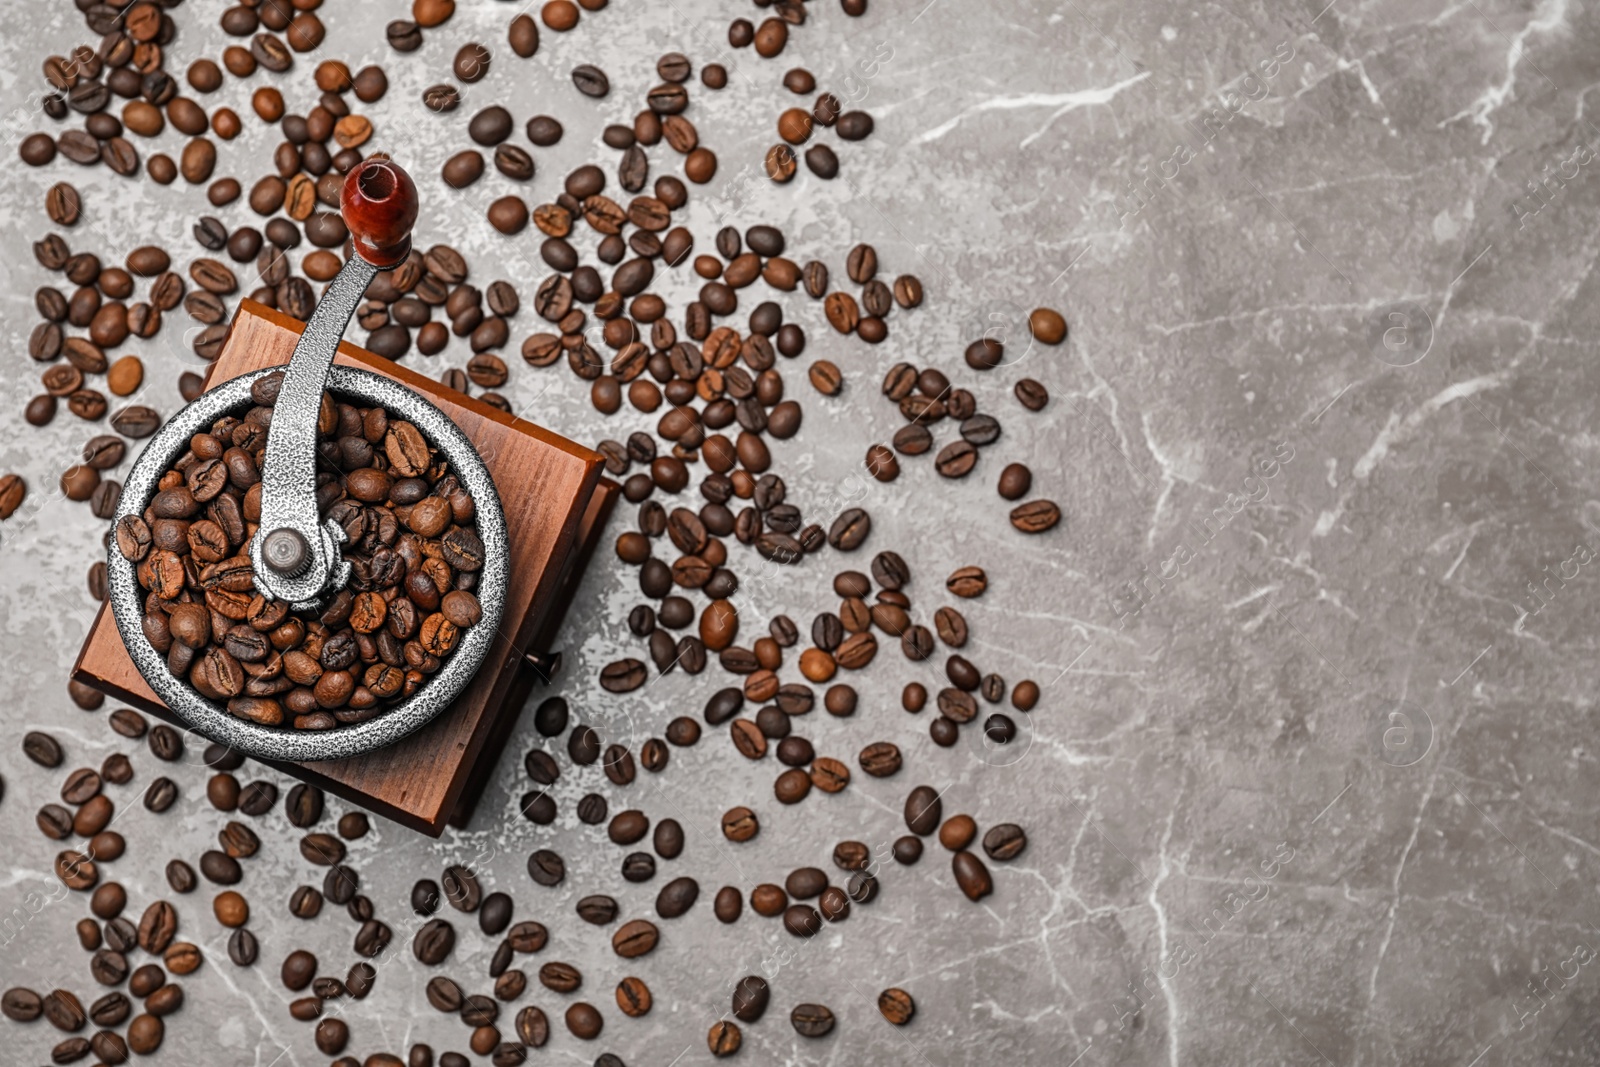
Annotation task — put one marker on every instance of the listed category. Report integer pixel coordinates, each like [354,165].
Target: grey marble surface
[1320,791]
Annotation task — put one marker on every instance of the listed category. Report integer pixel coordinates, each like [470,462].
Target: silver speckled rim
[286,743]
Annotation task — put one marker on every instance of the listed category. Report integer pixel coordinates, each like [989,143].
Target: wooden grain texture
[546,484]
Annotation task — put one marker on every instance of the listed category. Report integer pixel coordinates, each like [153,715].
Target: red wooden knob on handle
[379,207]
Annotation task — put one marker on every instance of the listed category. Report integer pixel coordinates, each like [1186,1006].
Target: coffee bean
[136,421]
[433,942]
[373,938]
[633,997]
[1036,516]
[322,849]
[42,748]
[80,786]
[509,985]
[463,168]
[811,1020]
[305,903]
[724,1037]
[740,824]
[584,1021]
[1031,394]
[160,795]
[508,214]
[543,131]
[802,920]
[303,805]
[855,125]
[897,1006]
[532,1028]
[113,1008]
[956,459]
[108,967]
[471,62]
[444,994]
[40,410]
[461,888]
[583,744]
[560,977]
[63,204]
[157,927]
[849,531]
[340,883]
[590,80]
[62,1009]
[546,867]
[980,430]
[490,126]
[635,938]
[44,343]
[1015,481]
[971,875]
[524,35]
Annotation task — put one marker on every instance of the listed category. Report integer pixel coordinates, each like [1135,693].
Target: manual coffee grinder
[540,505]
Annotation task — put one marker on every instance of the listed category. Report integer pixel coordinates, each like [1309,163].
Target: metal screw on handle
[286,552]
[296,556]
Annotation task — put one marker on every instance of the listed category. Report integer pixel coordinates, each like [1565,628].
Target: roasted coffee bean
[1036,516]
[897,1006]
[677,897]
[543,131]
[136,421]
[597,909]
[42,748]
[539,808]
[40,410]
[444,995]
[560,977]
[1015,481]
[373,938]
[325,850]
[108,967]
[980,430]
[584,1021]
[180,877]
[461,888]
[956,459]
[303,805]
[113,1008]
[634,998]
[490,126]
[546,867]
[305,903]
[523,35]
[117,769]
[740,824]
[972,876]
[850,530]
[340,883]
[60,1008]
[160,795]
[923,810]
[157,927]
[811,1020]
[433,942]
[425,897]
[724,1038]
[220,868]
[590,80]
[1031,394]
[635,938]
[802,920]
[495,914]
